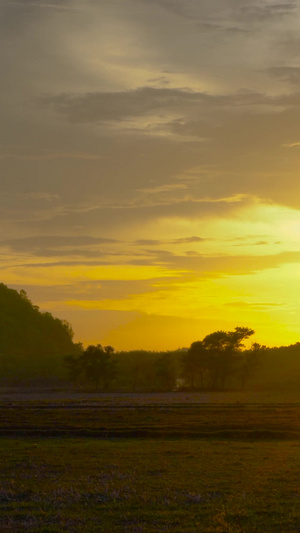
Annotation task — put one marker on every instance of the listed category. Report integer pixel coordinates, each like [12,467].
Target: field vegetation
[149,463]
[74,485]
[160,416]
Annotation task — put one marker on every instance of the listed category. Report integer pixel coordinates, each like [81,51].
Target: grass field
[186,466]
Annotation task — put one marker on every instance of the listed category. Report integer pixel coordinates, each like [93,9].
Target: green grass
[212,467]
[51,485]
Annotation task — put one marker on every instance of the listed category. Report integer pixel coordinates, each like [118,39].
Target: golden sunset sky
[150,166]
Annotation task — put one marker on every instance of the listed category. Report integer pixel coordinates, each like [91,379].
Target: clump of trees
[146,371]
[94,368]
[218,362]
[220,358]
[98,368]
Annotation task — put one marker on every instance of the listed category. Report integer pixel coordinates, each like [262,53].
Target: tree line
[37,349]
[217,362]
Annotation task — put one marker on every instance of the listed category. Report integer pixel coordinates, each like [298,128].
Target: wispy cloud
[292,145]
[155,242]
[102,107]
[49,156]
[60,5]
[254,305]
[59,243]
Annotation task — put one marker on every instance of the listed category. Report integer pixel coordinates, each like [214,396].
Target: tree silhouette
[250,362]
[195,363]
[94,367]
[216,356]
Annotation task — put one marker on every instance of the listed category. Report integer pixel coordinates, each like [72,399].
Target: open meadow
[173,462]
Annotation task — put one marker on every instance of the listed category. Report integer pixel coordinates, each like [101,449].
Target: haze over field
[150,157]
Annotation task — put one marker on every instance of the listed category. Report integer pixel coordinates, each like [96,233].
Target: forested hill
[26,331]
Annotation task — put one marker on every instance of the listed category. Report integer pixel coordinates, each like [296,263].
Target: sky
[150,164]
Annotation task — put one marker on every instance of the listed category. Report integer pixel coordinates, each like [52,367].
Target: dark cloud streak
[102,107]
